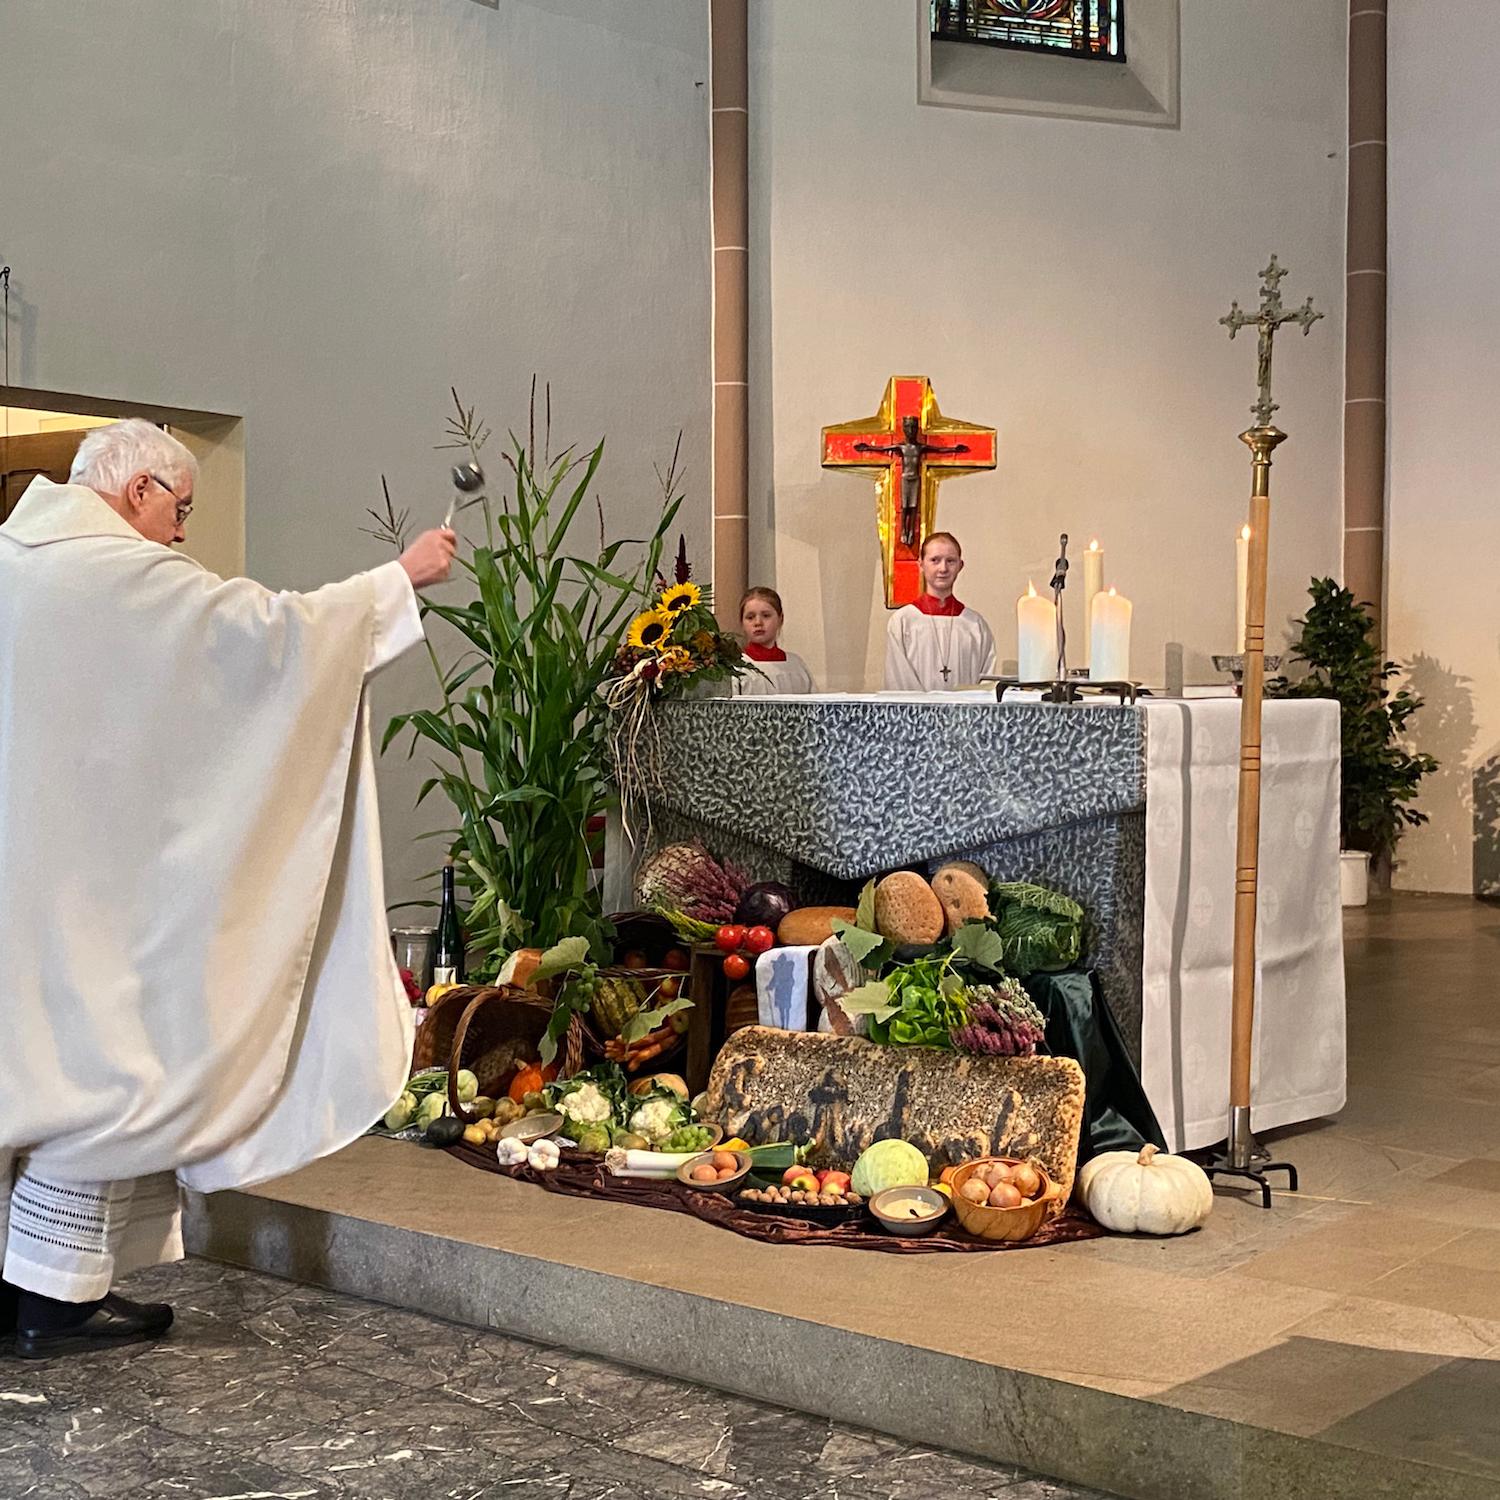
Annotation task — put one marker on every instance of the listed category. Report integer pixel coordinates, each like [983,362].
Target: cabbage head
[889,1164]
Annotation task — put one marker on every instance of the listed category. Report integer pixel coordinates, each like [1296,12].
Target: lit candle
[1093,583]
[1109,644]
[1036,633]
[1241,584]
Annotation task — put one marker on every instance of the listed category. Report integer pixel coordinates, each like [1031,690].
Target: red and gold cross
[909,447]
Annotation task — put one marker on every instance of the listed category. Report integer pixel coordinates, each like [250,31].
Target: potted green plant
[1338,644]
[519,741]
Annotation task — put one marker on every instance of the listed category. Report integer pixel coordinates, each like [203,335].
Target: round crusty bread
[809,926]
[907,909]
[964,898]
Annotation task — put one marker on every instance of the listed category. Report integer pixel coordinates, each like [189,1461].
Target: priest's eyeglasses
[184,507]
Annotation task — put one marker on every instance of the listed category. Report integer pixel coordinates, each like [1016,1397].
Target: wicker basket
[483,1028]
[650,980]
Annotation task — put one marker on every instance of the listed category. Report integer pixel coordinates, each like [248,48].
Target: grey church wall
[1060,281]
[319,214]
[1443,537]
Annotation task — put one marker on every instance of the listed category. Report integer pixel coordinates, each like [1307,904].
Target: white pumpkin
[1148,1192]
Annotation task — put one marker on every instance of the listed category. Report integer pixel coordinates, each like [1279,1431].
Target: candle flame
[1111,593]
[1094,545]
[1244,533]
[1030,589]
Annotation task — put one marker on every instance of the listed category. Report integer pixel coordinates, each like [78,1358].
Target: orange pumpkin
[529,1079]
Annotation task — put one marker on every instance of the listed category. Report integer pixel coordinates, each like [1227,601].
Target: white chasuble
[197,975]
[933,653]
[768,678]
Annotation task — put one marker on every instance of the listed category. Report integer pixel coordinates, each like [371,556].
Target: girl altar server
[937,644]
[761,619]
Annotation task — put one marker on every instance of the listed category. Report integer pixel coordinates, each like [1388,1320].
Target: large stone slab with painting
[843,1094]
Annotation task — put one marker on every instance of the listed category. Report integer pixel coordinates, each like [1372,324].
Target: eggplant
[764,905]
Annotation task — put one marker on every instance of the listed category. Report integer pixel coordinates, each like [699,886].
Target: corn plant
[519,742]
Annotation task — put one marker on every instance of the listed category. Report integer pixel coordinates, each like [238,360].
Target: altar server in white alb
[776,670]
[199,987]
[937,644]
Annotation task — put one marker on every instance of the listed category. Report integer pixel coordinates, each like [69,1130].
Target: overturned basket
[492,1030]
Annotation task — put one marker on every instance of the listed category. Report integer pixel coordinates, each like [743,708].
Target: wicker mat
[586,1178]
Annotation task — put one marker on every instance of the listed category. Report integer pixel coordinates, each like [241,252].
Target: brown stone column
[1365,305]
[729,144]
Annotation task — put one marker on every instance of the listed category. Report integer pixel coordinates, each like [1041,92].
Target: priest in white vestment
[199,986]
[937,644]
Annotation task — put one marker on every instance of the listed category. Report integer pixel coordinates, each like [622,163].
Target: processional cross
[1240,1155]
[896,448]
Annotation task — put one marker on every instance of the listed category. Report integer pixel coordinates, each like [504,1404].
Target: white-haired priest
[199,988]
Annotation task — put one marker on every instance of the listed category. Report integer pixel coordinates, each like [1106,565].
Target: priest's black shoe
[46,1328]
[10,1298]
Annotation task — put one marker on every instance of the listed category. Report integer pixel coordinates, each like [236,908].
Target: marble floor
[271,1391]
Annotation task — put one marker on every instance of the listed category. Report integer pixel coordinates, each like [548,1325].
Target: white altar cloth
[1192,783]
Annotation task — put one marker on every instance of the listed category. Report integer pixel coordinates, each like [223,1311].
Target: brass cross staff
[1240,1156]
[1270,317]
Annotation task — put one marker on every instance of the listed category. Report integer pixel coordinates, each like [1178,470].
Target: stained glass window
[1073,28]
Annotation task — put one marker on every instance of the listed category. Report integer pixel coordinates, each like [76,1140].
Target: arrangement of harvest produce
[936,964]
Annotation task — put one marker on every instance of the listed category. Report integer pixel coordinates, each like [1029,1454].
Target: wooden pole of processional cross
[1240,1154]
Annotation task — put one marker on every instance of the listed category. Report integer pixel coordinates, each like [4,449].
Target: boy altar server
[937,644]
[199,987]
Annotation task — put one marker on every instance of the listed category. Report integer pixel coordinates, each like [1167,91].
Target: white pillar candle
[1241,585]
[1093,583]
[1036,635]
[1109,645]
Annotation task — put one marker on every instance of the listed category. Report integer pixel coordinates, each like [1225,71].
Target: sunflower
[681,596]
[650,630]
[676,659]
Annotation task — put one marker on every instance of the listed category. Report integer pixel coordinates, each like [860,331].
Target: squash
[530,1079]
[1149,1192]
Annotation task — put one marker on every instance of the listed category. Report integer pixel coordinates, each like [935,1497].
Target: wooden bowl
[728,1185]
[1019,1223]
[909,1228]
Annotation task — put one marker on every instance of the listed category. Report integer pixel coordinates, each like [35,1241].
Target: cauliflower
[585,1105]
[657,1118]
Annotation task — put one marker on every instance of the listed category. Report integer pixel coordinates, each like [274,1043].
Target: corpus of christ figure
[908,447]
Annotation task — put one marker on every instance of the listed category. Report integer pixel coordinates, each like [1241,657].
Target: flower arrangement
[670,647]
[677,642]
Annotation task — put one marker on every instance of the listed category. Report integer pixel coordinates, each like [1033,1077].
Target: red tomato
[736,966]
[730,939]
[759,939]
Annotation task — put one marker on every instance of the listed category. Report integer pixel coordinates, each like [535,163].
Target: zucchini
[776,1157]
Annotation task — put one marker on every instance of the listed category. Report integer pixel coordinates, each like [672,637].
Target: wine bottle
[448,945]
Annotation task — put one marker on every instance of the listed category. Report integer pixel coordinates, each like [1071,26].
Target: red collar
[764,653]
[930,605]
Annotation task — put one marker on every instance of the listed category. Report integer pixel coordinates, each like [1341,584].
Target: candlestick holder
[1065,689]
[1235,666]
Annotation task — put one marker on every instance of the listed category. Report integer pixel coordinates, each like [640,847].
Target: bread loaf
[809,926]
[964,898]
[907,909]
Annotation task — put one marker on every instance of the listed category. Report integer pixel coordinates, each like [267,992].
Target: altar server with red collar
[777,671]
[937,644]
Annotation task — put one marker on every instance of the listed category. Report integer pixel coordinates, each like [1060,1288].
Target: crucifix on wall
[908,447]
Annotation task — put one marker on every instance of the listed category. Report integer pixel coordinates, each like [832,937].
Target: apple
[800,1179]
[830,1182]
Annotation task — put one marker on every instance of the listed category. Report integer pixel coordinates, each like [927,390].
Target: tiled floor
[1357,1319]
[268,1391]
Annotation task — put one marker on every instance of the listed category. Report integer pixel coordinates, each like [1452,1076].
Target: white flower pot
[1354,877]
